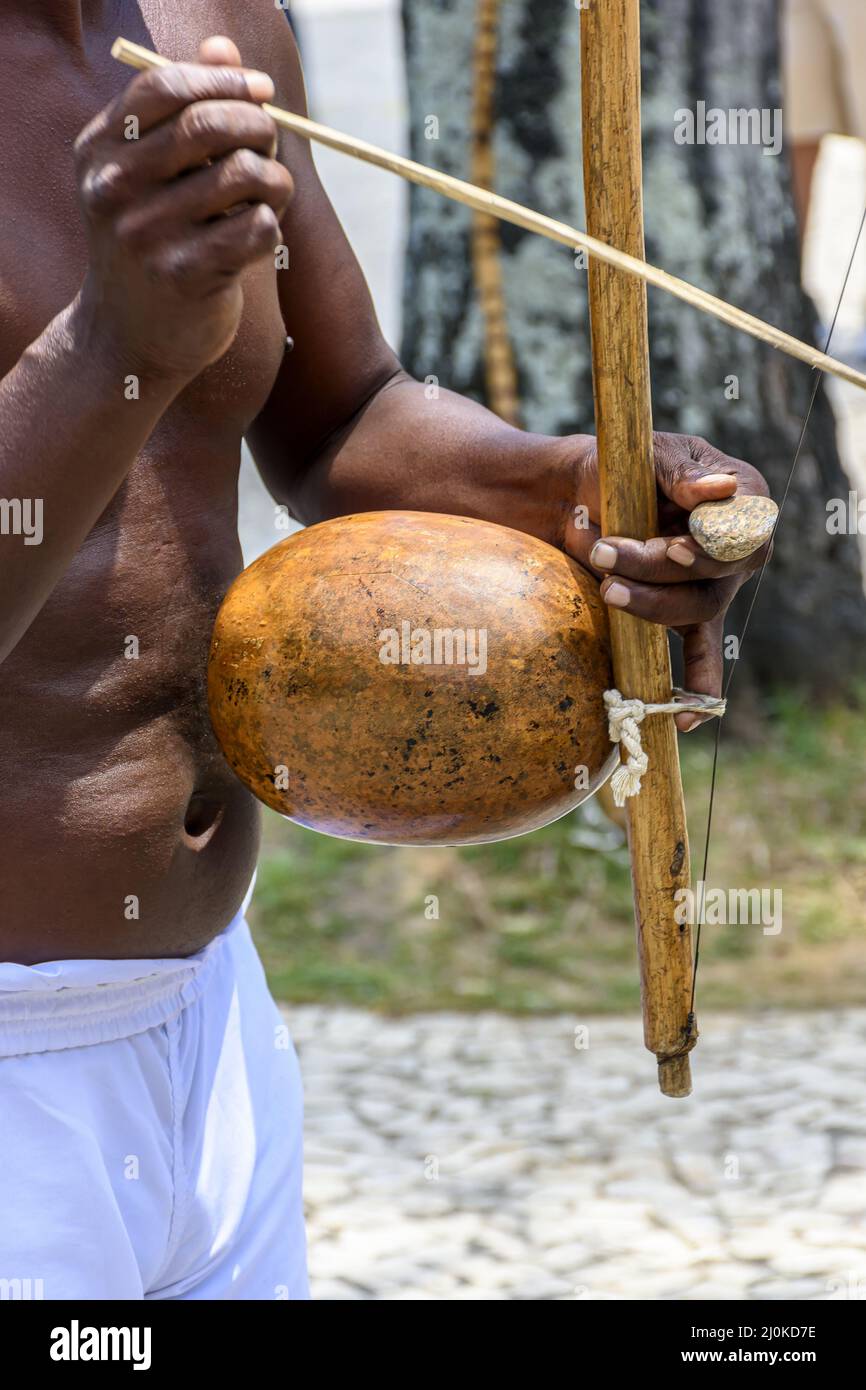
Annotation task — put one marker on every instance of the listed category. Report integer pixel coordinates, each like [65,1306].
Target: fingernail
[716,478]
[686,722]
[681,555]
[617,595]
[259,85]
[603,556]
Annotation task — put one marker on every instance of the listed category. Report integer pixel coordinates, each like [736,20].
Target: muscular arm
[405,449]
[161,300]
[69,436]
[345,429]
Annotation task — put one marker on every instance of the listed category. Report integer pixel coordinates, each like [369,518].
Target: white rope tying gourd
[624,718]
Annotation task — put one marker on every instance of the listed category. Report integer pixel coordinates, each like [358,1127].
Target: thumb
[220,51]
[689,471]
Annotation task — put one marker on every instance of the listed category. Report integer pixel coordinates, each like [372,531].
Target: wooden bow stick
[483,201]
[658,839]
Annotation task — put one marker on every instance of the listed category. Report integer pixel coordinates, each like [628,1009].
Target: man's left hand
[670,579]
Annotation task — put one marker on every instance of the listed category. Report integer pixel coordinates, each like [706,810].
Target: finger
[672,605]
[220,51]
[665,560]
[689,471]
[690,556]
[202,133]
[220,250]
[159,94]
[242,177]
[207,130]
[703,667]
[581,536]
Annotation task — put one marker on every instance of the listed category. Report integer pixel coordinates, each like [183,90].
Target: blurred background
[482,1118]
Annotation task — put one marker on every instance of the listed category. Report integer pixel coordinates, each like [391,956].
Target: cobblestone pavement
[483,1157]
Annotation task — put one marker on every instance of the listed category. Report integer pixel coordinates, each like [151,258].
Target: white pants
[150,1130]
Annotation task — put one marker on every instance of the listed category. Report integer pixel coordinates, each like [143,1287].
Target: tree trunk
[718,215]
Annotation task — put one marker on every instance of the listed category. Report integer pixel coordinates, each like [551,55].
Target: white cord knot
[624,718]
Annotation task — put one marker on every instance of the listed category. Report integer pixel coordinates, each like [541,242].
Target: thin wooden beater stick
[483,201]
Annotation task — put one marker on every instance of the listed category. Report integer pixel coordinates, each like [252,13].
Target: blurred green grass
[544,923]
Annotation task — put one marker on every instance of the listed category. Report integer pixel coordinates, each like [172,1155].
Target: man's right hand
[164,279]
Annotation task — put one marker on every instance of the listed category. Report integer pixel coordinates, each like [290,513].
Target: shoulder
[260,28]
[267,41]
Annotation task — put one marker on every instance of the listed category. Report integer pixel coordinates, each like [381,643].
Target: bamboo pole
[484,201]
[658,839]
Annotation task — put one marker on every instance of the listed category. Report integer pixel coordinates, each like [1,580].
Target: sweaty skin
[122,831]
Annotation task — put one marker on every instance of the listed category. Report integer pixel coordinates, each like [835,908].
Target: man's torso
[116,799]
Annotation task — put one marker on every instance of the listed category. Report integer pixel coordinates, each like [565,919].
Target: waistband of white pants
[76,1003]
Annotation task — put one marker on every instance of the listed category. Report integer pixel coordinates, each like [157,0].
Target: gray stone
[733,529]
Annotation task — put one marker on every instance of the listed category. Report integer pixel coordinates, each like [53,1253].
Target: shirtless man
[150,1100]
